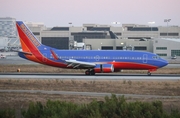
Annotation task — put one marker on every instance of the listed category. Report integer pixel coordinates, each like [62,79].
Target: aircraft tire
[149,74]
[87,72]
[92,72]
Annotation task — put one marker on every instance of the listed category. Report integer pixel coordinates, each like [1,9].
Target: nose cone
[163,63]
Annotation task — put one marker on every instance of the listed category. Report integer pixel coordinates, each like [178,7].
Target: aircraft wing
[79,64]
[74,63]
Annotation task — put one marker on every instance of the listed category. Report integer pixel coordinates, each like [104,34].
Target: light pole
[151,23]
[167,21]
[70,41]
[116,23]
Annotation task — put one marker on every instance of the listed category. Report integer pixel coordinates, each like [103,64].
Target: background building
[167,47]
[163,40]
[8,34]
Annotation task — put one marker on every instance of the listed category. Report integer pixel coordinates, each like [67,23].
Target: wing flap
[75,64]
[27,53]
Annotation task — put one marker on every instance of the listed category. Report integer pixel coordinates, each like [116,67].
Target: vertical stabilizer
[28,41]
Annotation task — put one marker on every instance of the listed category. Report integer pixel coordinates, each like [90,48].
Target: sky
[79,12]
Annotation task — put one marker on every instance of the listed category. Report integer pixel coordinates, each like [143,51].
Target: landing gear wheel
[87,72]
[149,73]
[92,72]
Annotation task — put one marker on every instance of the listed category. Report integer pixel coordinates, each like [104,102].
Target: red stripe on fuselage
[131,65]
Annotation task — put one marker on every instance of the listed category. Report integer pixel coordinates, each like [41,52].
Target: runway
[112,76]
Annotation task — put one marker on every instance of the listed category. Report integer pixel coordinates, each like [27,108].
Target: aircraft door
[97,57]
[145,56]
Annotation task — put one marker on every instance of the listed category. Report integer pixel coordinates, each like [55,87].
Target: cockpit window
[155,57]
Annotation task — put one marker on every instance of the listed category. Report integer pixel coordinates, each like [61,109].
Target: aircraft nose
[164,62]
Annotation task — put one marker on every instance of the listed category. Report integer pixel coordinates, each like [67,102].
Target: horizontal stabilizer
[23,52]
[27,53]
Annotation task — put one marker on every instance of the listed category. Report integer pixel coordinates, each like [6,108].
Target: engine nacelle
[104,68]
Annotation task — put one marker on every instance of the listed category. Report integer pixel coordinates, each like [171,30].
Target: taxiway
[97,76]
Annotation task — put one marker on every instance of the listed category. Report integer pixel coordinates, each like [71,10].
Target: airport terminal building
[162,40]
[8,33]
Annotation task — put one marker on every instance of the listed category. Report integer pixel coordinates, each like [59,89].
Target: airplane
[2,56]
[95,61]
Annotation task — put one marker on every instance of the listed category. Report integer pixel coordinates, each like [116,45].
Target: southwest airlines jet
[95,61]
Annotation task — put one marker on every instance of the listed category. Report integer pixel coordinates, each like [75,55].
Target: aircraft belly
[130,65]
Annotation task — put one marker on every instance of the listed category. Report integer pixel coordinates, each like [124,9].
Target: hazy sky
[61,12]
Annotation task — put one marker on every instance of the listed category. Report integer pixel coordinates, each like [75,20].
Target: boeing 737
[95,61]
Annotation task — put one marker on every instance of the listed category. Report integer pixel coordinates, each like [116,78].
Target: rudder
[28,41]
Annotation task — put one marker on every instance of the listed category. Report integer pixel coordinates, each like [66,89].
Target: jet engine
[104,68]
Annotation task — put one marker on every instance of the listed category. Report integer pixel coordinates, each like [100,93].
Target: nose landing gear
[151,70]
[149,73]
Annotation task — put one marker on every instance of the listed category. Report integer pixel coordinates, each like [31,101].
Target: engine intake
[104,68]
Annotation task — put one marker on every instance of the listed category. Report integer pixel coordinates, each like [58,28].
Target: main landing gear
[90,72]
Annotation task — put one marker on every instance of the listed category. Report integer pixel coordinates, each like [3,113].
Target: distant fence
[8,53]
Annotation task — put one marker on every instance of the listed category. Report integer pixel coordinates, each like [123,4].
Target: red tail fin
[28,41]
